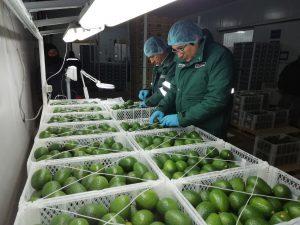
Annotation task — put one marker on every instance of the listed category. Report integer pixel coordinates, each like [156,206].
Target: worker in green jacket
[161,56]
[201,89]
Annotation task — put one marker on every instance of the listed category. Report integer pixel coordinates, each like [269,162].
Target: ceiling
[53,16]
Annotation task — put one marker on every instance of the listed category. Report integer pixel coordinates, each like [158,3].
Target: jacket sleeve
[156,97]
[168,102]
[218,92]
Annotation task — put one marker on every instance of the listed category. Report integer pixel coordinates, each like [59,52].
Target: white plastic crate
[241,157]
[47,117]
[281,116]
[142,121]
[67,102]
[257,120]
[78,125]
[76,108]
[106,160]
[118,100]
[270,174]
[280,153]
[43,213]
[135,113]
[83,141]
[160,132]
[127,114]
[247,101]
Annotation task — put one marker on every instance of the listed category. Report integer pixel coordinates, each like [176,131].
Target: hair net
[154,46]
[184,32]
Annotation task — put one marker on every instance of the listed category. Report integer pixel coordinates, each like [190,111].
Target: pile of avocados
[147,209]
[74,149]
[77,109]
[130,104]
[223,206]
[77,118]
[72,102]
[169,139]
[136,126]
[82,178]
[188,163]
[53,131]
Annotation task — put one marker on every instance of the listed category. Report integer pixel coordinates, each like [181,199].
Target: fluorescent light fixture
[241,32]
[74,33]
[114,12]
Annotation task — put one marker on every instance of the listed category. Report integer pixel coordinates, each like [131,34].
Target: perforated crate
[127,114]
[205,136]
[83,141]
[106,160]
[277,152]
[247,101]
[80,117]
[76,108]
[67,102]
[241,158]
[142,122]
[257,120]
[43,213]
[78,126]
[270,174]
[281,116]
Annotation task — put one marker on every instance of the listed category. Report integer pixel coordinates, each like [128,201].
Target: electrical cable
[62,65]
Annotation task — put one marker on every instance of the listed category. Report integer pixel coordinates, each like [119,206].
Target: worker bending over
[161,56]
[201,89]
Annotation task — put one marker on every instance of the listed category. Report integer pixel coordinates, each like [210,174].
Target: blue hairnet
[154,46]
[184,32]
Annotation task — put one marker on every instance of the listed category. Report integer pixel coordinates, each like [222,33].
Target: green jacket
[201,89]
[164,72]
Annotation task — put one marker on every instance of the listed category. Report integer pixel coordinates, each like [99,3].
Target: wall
[290,36]
[245,13]
[17,49]
[262,16]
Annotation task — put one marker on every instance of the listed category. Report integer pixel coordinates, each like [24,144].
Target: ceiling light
[75,32]
[114,12]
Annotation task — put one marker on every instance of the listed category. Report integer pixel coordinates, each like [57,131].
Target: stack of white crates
[251,111]
[85,130]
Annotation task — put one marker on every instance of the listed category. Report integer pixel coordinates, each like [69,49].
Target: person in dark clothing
[288,84]
[53,63]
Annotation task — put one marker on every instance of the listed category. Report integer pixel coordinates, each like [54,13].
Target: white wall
[16,67]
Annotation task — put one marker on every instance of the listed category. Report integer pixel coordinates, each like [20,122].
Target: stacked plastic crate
[256,63]
[278,150]
[117,176]
[251,111]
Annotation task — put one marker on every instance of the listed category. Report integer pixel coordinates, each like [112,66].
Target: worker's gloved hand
[157,114]
[143,94]
[170,121]
[143,104]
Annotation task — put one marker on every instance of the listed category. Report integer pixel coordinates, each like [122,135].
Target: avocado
[219,199]
[205,208]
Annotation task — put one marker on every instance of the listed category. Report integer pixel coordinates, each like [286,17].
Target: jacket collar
[197,58]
